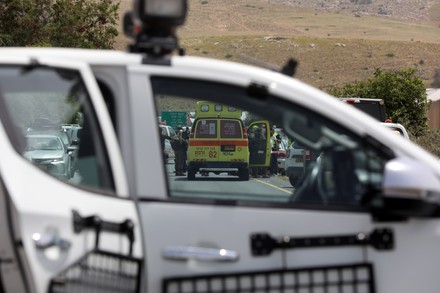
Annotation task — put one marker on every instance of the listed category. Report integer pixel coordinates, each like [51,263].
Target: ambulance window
[206,129]
[268,152]
[51,122]
[230,129]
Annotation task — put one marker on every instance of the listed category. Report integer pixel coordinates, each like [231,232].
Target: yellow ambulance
[218,142]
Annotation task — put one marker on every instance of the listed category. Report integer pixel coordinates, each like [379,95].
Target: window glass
[272,151]
[230,129]
[49,111]
[206,129]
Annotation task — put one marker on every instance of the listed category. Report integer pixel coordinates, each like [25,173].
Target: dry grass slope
[333,45]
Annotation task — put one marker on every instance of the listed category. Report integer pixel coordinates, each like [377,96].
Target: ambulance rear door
[233,142]
[203,145]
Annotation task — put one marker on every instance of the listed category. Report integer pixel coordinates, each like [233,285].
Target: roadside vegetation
[61,23]
[401,90]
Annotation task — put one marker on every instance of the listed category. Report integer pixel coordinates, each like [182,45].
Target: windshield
[43,143]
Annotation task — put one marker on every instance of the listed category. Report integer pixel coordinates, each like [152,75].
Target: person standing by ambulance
[275,140]
[180,147]
[185,136]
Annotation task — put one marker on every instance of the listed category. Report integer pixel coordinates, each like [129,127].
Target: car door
[64,231]
[220,234]
[259,144]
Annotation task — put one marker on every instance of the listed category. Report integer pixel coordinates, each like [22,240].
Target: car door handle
[50,239]
[199,253]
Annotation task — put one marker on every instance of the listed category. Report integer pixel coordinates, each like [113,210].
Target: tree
[403,92]
[59,23]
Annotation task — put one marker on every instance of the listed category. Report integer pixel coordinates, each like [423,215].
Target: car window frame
[231,100]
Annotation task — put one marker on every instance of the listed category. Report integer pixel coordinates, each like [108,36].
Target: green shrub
[60,23]
[390,54]
[403,93]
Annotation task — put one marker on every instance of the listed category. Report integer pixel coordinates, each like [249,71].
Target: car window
[343,171]
[49,113]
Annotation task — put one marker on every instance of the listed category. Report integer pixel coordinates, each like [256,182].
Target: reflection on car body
[49,154]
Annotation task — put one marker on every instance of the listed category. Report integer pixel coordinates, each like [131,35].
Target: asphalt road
[226,186]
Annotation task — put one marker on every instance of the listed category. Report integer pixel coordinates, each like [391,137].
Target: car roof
[240,74]
[43,136]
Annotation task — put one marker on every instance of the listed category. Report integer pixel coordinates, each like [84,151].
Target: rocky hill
[399,9]
[335,41]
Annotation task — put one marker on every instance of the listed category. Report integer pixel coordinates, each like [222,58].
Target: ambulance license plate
[228,148]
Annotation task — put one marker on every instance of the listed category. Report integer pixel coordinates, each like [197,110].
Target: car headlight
[56,160]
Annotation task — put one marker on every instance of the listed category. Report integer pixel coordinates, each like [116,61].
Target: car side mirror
[410,189]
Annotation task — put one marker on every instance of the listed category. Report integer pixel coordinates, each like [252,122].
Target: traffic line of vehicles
[362,218]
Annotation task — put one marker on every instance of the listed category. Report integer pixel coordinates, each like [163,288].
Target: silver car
[49,153]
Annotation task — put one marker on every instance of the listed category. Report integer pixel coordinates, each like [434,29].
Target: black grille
[357,278]
[100,271]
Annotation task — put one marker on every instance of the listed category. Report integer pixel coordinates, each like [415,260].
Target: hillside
[335,42]
[400,9]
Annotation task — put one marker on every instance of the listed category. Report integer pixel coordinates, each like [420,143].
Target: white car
[364,219]
[397,128]
[295,163]
[167,130]
[168,151]
[50,154]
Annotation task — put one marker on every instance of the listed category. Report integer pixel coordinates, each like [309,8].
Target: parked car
[373,107]
[73,131]
[167,130]
[169,154]
[364,219]
[295,163]
[43,124]
[397,128]
[49,153]
[282,154]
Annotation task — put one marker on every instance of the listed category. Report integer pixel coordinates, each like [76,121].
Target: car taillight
[281,155]
[245,133]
